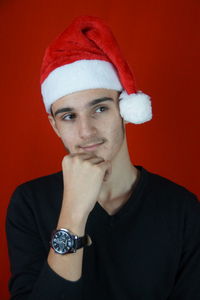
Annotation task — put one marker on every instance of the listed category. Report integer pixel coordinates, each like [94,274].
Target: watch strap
[83,241]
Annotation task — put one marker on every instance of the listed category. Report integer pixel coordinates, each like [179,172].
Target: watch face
[62,242]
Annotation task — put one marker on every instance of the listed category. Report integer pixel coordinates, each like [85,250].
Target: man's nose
[86,127]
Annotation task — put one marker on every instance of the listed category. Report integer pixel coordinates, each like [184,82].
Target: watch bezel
[69,236]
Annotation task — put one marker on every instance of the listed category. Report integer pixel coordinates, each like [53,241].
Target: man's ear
[53,124]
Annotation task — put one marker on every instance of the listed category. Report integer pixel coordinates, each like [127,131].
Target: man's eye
[68,117]
[101,109]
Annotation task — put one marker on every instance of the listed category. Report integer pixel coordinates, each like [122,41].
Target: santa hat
[87,56]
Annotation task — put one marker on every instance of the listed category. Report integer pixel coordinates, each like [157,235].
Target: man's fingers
[88,156]
[93,159]
[79,154]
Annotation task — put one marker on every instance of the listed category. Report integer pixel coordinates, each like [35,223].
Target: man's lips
[91,146]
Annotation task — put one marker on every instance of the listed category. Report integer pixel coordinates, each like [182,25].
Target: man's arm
[69,266]
[83,177]
[34,276]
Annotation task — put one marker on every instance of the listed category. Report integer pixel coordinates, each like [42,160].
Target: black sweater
[148,250]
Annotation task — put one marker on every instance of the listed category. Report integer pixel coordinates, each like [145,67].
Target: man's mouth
[91,147]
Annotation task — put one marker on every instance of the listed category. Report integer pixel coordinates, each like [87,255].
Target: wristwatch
[63,241]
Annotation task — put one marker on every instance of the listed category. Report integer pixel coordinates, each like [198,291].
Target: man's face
[89,121]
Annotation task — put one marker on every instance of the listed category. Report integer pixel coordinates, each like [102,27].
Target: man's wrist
[74,224]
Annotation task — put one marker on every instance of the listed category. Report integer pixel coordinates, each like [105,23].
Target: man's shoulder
[36,199]
[162,187]
[40,188]
[43,180]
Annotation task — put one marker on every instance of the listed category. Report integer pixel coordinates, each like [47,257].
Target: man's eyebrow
[91,103]
[99,100]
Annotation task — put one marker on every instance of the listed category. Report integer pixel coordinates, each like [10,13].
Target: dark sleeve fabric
[32,278]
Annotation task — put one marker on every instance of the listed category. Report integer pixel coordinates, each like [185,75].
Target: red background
[159,40]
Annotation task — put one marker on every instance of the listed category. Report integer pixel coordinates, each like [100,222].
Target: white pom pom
[135,108]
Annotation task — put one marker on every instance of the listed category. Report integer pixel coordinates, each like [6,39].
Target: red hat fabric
[87,56]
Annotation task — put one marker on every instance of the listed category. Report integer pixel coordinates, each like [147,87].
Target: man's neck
[121,181]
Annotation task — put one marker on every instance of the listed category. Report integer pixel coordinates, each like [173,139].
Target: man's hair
[51,111]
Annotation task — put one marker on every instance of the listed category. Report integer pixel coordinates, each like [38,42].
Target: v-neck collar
[99,211]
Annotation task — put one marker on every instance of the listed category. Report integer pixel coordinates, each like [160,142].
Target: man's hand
[83,175]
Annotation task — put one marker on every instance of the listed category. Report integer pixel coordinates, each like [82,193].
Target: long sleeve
[32,278]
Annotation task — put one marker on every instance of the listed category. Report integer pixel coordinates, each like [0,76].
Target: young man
[101,228]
